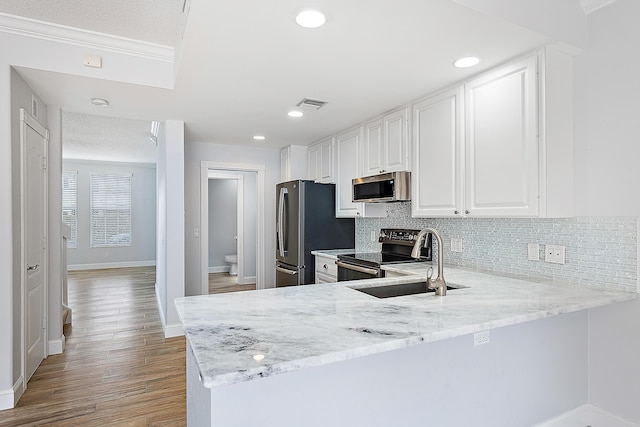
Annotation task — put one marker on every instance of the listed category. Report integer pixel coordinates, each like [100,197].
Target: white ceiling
[154,21]
[91,137]
[246,63]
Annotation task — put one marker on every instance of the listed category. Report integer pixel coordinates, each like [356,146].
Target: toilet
[232,260]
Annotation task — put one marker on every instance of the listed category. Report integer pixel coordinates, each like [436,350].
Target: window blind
[110,210]
[70,205]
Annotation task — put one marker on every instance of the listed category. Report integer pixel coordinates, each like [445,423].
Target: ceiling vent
[311,104]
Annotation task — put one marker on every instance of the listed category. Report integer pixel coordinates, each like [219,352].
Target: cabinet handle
[467,212]
[325,266]
[456,212]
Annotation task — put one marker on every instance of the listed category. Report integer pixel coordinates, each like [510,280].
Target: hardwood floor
[117,368]
[223,282]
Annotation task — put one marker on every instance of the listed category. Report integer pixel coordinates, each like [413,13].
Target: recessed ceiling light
[295,113]
[100,102]
[258,357]
[259,137]
[467,61]
[311,19]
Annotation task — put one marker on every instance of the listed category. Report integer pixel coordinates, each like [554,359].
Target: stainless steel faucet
[438,284]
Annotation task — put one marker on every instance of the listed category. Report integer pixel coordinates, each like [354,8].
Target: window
[110,210]
[70,205]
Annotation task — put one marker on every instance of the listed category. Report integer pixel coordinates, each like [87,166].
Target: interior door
[34,195]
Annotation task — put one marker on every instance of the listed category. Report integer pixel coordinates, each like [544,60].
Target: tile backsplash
[600,251]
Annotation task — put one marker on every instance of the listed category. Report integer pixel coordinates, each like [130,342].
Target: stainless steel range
[396,248]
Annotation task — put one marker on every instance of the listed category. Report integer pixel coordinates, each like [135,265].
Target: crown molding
[592,5]
[33,28]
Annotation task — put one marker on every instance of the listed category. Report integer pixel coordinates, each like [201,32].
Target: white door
[34,196]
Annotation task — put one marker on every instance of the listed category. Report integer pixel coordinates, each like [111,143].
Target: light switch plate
[533,251]
[456,245]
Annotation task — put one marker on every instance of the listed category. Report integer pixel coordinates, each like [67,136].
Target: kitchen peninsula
[328,354]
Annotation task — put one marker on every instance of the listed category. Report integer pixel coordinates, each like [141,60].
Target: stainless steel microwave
[386,187]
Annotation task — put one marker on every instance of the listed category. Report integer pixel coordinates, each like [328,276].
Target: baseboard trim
[104,265]
[247,280]
[9,397]
[588,414]
[57,346]
[171,331]
[222,269]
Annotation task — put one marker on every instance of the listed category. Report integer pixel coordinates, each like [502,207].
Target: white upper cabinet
[386,144]
[438,155]
[498,146]
[348,161]
[372,148]
[396,141]
[293,163]
[320,161]
[501,139]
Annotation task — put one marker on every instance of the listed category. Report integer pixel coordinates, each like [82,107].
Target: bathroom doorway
[231,231]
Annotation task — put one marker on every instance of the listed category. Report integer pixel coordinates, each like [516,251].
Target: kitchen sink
[390,291]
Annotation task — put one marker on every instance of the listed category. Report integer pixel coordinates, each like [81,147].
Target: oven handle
[357,268]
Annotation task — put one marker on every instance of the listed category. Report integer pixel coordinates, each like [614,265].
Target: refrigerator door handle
[280,231]
[284,270]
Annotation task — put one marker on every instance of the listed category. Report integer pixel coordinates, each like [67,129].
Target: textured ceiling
[154,21]
[90,137]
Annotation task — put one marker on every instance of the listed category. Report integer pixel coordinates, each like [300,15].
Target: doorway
[226,226]
[249,201]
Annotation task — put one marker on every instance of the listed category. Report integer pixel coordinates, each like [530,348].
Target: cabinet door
[312,162]
[501,142]
[325,161]
[396,141]
[285,171]
[372,148]
[438,154]
[347,161]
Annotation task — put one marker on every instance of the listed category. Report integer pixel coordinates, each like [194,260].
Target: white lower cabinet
[326,270]
[477,150]
[348,163]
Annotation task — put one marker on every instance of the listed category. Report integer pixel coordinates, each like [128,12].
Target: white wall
[607,177]
[57,55]
[195,153]
[143,213]
[170,266]
[223,221]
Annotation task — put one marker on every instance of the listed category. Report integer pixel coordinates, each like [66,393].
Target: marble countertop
[243,336]
[332,253]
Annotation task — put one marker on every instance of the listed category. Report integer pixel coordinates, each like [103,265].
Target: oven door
[348,271]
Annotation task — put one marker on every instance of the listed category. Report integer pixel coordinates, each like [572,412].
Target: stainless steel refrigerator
[306,221]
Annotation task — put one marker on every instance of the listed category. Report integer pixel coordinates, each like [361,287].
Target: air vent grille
[311,104]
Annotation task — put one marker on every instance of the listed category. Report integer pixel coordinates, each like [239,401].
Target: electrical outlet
[554,254]
[533,250]
[480,338]
[374,236]
[456,245]
[196,233]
